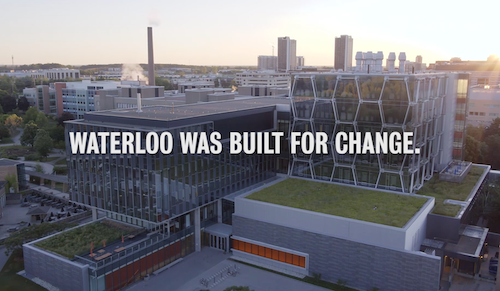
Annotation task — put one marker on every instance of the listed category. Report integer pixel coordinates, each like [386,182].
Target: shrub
[12,157]
[32,157]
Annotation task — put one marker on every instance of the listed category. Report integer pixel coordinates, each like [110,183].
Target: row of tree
[482,143]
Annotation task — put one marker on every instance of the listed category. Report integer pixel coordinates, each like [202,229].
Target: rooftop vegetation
[350,202]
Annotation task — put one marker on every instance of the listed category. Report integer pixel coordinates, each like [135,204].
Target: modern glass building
[344,102]
[179,199]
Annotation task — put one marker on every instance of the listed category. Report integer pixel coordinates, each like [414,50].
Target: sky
[222,32]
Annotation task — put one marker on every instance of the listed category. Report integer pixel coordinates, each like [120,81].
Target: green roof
[77,240]
[443,190]
[345,201]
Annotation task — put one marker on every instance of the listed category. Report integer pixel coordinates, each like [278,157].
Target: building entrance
[217,236]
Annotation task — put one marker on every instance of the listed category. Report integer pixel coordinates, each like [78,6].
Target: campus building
[484,104]
[78,98]
[51,74]
[265,63]
[375,221]
[263,78]
[42,97]
[343,53]
[287,54]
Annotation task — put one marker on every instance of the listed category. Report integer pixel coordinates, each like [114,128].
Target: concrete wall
[56,270]
[449,121]
[340,227]
[443,227]
[362,266]
[416,228]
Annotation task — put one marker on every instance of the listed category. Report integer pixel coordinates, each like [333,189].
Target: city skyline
[219,33]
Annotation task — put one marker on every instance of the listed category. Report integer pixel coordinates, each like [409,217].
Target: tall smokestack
[151,62]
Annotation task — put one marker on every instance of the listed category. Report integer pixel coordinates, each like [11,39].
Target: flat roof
[346,201]
[78,240]
[443,190]
[169,113]
[7,162]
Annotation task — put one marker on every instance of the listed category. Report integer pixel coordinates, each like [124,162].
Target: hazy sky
[235,32]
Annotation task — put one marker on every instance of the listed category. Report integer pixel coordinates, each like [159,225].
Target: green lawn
[77,241]
[10,281]
[443,190]
[6,140]
[350,202]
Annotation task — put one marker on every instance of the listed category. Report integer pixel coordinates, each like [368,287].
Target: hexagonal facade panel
[346,102]
[370,87]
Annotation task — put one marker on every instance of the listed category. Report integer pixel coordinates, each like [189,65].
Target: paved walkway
[16,140]
[47,168]
[185,271]
[468,284]
[186,276]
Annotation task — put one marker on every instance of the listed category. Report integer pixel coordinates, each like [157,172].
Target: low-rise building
[265,78]
[183,86]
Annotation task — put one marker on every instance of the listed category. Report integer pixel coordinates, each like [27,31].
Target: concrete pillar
[65,187]
[52,184]
[197,230]
[94,213]
[219,211]
[42,181]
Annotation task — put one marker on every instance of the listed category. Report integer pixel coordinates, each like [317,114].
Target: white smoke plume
[154,19]
[130,72]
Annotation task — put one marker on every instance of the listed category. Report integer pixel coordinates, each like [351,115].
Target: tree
[31,115]
[29,134]
[493,144]
[39,169]
[492,129]
[43,143]
[3,93]
[23,103]
[8,103]
[65,116]
[12,122]
[57,133]
[164,82]
[4,131]
[41,120]
[11,180]
[473,150]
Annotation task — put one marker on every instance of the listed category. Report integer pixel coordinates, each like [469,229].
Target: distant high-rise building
[343,53]
[267,63]
[300,61]
[418,59]
[287,54]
